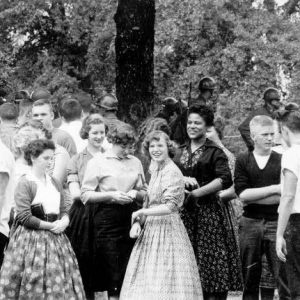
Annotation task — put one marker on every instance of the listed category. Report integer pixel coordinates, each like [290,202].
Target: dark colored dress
[80,230]
[207,225]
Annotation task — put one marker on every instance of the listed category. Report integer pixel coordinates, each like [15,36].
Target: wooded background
[145,50]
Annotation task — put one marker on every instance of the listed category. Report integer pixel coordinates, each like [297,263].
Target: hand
[132,194]
[190,182]
[120,198]
[137,215]
[281,248]
[135,230]
[59,226]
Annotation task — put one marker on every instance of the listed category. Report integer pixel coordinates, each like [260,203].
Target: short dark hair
[36,148]
[92,119]
[156,136]
[42,102]
[38,125]
[205,112]
[121,134]
[85,100]
[8,112]
[70,110]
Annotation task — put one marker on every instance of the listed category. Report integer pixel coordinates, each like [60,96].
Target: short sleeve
[173,188]
[72,170]
[291,160]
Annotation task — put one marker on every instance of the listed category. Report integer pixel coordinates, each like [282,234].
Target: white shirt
[291,161]
[7,165]
[73,128]
[261,160]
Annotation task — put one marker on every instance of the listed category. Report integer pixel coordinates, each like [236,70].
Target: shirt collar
[110,154]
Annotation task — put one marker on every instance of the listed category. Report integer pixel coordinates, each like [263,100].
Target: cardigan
[24,195]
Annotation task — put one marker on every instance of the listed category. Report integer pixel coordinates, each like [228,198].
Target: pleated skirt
[162,265]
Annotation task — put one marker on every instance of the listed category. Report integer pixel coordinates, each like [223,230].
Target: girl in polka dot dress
[39,262]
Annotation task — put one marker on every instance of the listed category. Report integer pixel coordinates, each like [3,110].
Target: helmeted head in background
[272,98]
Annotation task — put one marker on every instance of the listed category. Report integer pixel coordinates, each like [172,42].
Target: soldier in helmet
[171,109]
[40,94]
[206,87]
[108,107]
[272,103]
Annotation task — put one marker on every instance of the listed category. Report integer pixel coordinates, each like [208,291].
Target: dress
[39,264]
[111,221]
[212,238]
[162,264]
[80,230]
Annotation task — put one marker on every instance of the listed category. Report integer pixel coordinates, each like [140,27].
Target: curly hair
[205,112]
[38,125]
[121,134]
[92,119]
[35,148]
[156,135]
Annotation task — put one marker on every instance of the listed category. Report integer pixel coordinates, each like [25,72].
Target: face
[196,127]
[44,114]
[263,137]
[123,151]
[96,135]
[44,160]
[212,134]
[158,150]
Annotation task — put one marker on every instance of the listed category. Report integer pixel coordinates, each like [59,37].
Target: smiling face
[158,150]
[44,160]
[196,126]
[96,135]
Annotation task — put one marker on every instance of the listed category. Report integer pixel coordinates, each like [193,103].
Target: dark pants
[293,255]
[258,237]
[3,243]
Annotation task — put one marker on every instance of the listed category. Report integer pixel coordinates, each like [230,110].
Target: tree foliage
[246,45]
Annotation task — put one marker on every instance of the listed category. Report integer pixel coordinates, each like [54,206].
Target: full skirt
[162,264]
[40,265]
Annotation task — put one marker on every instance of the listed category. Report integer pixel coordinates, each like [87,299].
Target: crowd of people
[90,204]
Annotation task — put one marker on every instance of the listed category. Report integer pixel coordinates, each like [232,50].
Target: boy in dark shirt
[257,183]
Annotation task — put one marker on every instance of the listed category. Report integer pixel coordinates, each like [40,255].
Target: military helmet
[207,83]
[108,102]
[40,94]
[271,94]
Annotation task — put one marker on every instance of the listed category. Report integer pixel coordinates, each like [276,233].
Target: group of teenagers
[90,205]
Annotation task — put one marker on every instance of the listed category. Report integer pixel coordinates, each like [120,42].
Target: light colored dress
[162,265]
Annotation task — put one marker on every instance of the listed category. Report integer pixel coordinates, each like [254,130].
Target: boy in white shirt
[288,231]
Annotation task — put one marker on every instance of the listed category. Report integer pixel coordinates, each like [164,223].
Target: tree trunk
[134,58]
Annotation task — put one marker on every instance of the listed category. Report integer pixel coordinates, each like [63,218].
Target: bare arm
[257,195]
[227,195]
[60,166]
[4,178]
[74,188]
[210,188]
[286,201]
